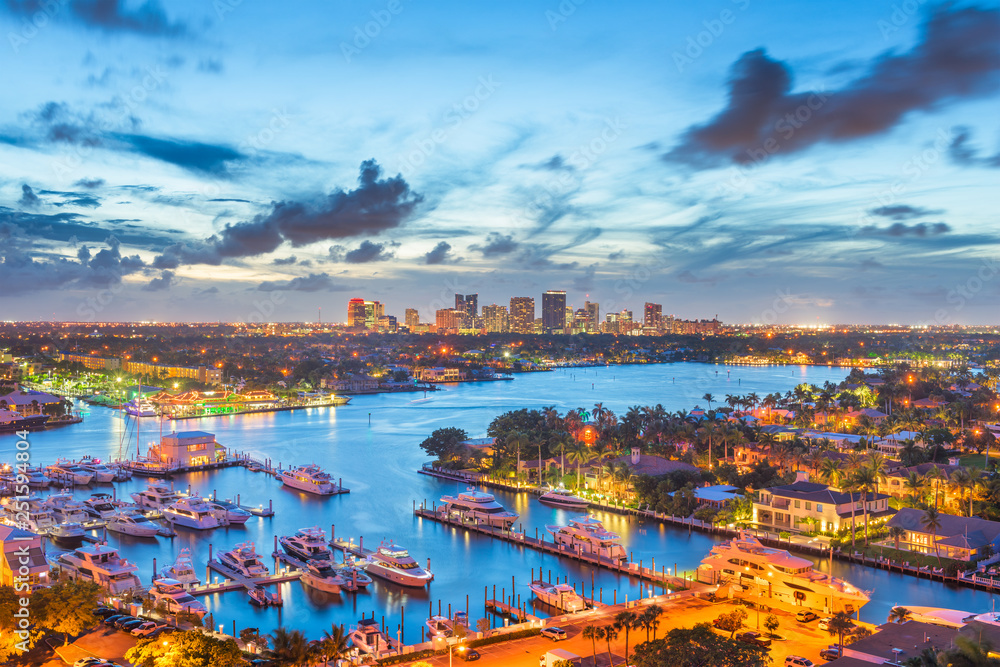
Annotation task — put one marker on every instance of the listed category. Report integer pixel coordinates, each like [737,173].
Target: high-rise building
[387,323]
[412,318]
[593,316]
[496,319]
[356,313]
[460,302]
[522,314]
[373,311]
[472,305]
[554,311]
[449,318]
[652,315]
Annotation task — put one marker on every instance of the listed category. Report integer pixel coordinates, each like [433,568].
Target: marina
[381,504]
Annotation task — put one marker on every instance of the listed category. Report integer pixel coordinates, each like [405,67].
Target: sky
[766,162]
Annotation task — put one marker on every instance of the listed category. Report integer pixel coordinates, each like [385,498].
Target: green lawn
[977,460]
[914,559]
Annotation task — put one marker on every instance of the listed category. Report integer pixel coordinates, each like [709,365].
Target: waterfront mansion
[807,506]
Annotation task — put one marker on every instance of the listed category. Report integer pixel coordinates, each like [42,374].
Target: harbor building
[19,549]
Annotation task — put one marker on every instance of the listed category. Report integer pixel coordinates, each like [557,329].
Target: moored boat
[156,497]
[561,596]
[172,594]
[478,506]
[306,544]
[309,478]
[323,576]
[191,513]
[588,535]
[394,563]
[244,560]
[368,637]
[182,570]
[564,498]
[100,506]
[102,565]
[132,522]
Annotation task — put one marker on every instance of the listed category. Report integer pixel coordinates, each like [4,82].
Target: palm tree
[289,647]
[831,472]
[962,481]
[900,615]
[579,453]
[650,619]
[709,431]
[897,533]
[335,643]
[935,475]
[914,484]
[593,633]
[626,620]
[931,520]
[709,398]
[518,440]
[610,634]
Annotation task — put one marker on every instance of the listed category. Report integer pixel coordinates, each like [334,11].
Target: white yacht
[245,560]
[478,506]
[68,532]
[156,497]
[99,506]
[564,498]
[102,565]
[182,570]
[191,513]
[368,637]
[31,514]
[588,535]
[309,478]
[132,522]
[102,473]
[354,574]
[66,509]
[140,407]
[323,576]
[747,567]
[439,626]
[560,596]
[70,472]
[394,563]
[172,594]
[228,512]
[307,544]
[36,478]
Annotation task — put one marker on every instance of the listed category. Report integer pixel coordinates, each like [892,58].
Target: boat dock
[651,574]
[504,609]
[349,547]
[256,411]
[238,581]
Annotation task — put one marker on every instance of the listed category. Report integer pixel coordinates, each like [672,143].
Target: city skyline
[776,164]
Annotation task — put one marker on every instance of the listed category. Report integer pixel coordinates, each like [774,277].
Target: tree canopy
[698,647]
[186,649]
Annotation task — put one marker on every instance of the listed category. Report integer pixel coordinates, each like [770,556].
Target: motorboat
[229,512]
[564,498]
[35,477]
[66,509]
[354,575]
[439,626]
[368,637]
[323,576]
[100,506]
[259,597]
[122,472]
[102,474]
[31,514]
[172,594]
[132,522]
[747,568]
[69,472]
[244,560]
[69,533]
[140,407]
[561,596]
[191,513]
[393,562]
[182,570]
[102,565]
[306,544]
[156,497]
[478,506]
[309,478]
[587,535]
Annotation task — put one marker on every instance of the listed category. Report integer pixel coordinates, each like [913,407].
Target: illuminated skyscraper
[522,314]
[593,316]
[554,311]
[412,318]
[356,313]
[496,319]
[472,305]
[652,315]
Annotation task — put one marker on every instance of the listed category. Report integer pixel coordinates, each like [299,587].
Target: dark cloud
[962,153]
[869,264]
[900,229]
[375,206]
[193,155]
[314,282]
[160,284]
[148,18]
[497,244]
[73,198]
[22,271]
[69,226]
[284,261]
[440,254]
[958,56]
[90,183]
[585,282]
[903,212]
[555,163]
[28,197]
[369,252]
[615,256]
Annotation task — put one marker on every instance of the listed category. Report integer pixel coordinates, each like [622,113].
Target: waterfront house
[21,548]
[892,443]
[877,416]
[187,449]
[350,383]
[895,481]
[439,374]
[32,402]
[806,506]
[958,537]
[652,465]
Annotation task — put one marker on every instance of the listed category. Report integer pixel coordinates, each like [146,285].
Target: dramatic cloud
[314,282]
[369,252]
[159,284]
[193,155]
[440,254]
[73,198]
[903,212]
[900,229]
[148,18]
[958,57]
[22,272]
[961,153]
[375,206]
[497,244]
[284,261]
[90,183]
[28,197]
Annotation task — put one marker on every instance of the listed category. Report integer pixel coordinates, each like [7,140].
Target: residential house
[876,416]
[892,443]
[439,374]
[20,551]
[803,505]
[958,537]
[32,402]
[894,482]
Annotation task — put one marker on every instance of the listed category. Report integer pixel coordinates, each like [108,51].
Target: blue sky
[791,162]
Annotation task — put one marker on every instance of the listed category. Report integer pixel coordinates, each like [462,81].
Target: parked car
[831,652]
[144,629]
[110,620]
[824,623]
[469,654]
[555,634]
[161,630]
[798,661]
[754,638]
[88,661]
[104,612]
[805,616]
[129,626]
[123,620]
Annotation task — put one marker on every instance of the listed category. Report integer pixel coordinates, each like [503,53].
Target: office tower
[373,311]
[449,318]
[496,319]
[522,314]
[412,318]
[460,302]
[356,313]
[554,311]
[652,315]
[471,305]
[387,323]
[593,316]
[668,323]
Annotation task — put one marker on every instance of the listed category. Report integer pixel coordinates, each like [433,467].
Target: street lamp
[461,649]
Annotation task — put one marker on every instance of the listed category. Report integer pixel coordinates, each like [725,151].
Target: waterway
[372,444]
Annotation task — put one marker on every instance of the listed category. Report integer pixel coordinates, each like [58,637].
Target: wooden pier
[238,581]
[538,543]
[504,609]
